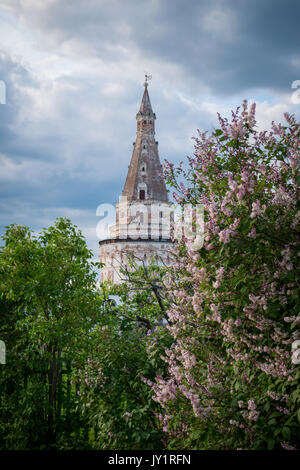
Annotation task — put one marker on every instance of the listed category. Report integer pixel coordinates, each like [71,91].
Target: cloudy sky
[74,70]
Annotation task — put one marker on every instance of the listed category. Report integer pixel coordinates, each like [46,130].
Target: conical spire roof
[146,108]
[145,179]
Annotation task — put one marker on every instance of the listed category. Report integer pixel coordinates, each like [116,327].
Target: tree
[49,303]
[127,346]
[230,380]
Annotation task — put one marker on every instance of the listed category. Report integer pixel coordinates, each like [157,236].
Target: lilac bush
[230,380]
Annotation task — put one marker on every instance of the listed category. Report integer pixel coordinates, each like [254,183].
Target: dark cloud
[226,45]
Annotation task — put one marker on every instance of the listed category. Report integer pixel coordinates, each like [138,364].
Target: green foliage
[48,303]
[75,361]
[127,346]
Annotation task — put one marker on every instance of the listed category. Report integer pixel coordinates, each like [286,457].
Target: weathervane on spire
[147,79]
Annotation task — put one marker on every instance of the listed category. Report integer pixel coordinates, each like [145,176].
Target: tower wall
[116,253]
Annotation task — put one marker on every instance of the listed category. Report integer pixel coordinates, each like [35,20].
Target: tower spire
[146,108]
[144,179]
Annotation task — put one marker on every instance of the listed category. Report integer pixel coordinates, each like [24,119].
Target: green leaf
[286,433]
[270,444]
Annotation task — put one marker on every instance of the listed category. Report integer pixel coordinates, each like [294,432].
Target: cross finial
[147,79]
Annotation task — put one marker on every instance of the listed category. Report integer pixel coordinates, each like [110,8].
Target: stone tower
[144,215]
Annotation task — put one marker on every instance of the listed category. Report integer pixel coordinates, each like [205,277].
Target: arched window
[142,191]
